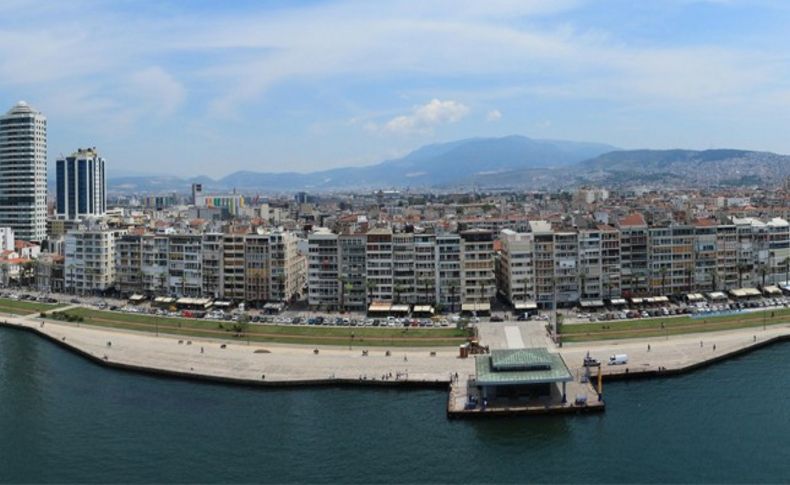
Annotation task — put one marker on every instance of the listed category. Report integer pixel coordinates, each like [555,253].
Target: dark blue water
[63,419]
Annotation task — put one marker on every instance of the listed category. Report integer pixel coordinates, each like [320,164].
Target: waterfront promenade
[291,364]
[258,363]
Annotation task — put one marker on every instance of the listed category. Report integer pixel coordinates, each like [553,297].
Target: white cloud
[158,89]
[424,118]
[493,115]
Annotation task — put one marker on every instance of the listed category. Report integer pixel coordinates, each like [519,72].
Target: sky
[205,87]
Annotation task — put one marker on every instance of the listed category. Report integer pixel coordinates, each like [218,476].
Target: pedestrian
[755,338]
[648,347]
[700,344]
[201,350]
[714,347]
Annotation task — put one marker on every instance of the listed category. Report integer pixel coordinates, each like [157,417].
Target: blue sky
[210,87]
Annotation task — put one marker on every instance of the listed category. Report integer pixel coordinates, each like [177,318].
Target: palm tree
[342,281]
[690,278]
[742,268]
[663,272]
[398,290]
[763,269]
[370,285]
[714,276]
[786,263]
[453,291]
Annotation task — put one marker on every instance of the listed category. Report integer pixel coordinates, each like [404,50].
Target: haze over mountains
[512,161]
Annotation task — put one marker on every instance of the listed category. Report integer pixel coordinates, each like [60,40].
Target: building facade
[81,185]
[23,172]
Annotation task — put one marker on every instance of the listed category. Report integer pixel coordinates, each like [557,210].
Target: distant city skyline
[210,88]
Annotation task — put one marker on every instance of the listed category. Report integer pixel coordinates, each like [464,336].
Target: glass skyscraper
[81,185]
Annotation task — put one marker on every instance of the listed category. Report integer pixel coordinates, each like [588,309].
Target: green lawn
[23,307]
[659,327]
[299,334]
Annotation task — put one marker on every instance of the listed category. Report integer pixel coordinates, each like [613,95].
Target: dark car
[75,300]
[497,318]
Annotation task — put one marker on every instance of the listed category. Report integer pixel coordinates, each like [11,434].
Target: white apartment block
[516,268]
[89,264]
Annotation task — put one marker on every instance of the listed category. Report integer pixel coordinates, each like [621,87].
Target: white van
[618,359]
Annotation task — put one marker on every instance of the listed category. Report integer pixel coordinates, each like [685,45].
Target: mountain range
[511,161]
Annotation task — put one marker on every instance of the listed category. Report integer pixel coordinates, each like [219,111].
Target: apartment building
[233,282]
[634,269]
[379,265]
[448,272]
[516,267]
[478,285]
[90,259]
[352,271]
[323,271]
[185,265]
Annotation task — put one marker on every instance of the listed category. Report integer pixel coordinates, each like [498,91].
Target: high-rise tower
[23,172]
[81,185]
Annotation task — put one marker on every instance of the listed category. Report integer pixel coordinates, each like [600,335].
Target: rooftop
[521,366]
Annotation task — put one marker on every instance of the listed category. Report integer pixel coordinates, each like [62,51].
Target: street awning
[636,301]
[136,297]
[379,307]
[476,307]
[423,309]
[618,301]
[222,303]
[772,290]
[525,305]
[399,308]
[717,295]
[203,302]
[164,299]
[661,299]
[591,303]
[745,292]
[695,297]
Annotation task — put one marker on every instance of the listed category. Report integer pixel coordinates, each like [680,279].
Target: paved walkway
[269,362]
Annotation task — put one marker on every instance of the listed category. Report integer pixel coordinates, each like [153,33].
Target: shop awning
[476,307]
[745,292]
[772,290]
[380,306]
[525,305]
[399,308]
[717,295]
[618,301]
[591,303]
[695,297]
[423,309]
[136,297]
[637,301]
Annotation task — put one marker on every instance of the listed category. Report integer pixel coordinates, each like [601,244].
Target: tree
[663,272]
[370,285]
[763,270]
[342,280]
[786,263]
[742,268]
[453,291]
[714,276]
[398,291]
